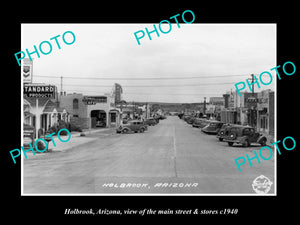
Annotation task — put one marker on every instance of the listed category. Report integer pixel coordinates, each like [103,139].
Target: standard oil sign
[39,91]
[27,71]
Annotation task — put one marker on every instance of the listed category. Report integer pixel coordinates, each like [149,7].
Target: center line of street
[175,151]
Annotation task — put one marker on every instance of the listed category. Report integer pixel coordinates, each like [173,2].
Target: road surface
[169,158]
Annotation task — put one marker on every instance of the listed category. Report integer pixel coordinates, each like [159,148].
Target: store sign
[88,101]
[256,100]
[92,100]
[39,91]
[118,93]
[251,100]
[263,100]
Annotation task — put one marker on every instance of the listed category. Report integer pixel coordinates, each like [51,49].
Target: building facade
[265,112]
[246,108]
[42,114]
[91,111]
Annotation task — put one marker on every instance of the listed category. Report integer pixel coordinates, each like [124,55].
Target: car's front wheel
[124,131]
[246,143]
[230,143]
[142,130]
[263,142]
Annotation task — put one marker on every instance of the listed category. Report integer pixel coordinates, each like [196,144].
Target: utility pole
[252,81]
[204,106]
[252,110]
[61,85]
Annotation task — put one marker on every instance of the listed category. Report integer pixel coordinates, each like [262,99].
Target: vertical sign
[27,70]
[118,92]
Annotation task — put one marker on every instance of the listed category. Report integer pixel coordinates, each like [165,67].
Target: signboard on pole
[27,67]
[118,93]
[39,91]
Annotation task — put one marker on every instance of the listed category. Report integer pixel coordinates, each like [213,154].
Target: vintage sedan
[212,127]
[200,122]
[186,117]
[244,135]
[150,121]
[191,120]
[132,126]
[222,131]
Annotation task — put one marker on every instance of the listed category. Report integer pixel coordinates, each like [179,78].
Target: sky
[182,66]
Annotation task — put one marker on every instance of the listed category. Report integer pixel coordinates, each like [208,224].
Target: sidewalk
[76,139]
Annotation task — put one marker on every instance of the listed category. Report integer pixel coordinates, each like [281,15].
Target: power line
[161,94]
[142,78]
[143,86]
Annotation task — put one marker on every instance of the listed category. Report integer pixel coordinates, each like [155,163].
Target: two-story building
[246,107]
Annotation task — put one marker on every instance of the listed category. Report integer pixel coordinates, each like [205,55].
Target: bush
[73,127]
[53,129]
[61,125]
[63,133]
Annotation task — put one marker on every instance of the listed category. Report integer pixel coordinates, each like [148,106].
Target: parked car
[244,135]
[191,120]
[162,117]
[197,122]
[186,117]
[180,115]
[212,127]
[100,123]
[200,122]
[132,126]
[150,121]
[221,133]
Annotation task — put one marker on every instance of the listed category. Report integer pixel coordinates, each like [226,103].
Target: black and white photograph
[149,111]
[107,110]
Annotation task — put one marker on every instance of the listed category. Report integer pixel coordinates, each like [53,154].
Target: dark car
[200,122]
[212,127]
[180,115]
[221,133]
[132,126]
[244,135]
[150,121]
[186,117]
[162,117]
[197,122]
[191,120]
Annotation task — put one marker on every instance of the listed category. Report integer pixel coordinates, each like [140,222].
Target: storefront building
[91,111]
[246,108]
[265,112]
[40,107]
[43,115]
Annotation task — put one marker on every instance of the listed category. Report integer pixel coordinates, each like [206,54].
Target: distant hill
[172,107]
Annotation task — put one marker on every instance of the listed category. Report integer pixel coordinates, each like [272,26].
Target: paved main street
[171,157]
